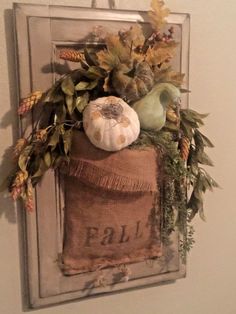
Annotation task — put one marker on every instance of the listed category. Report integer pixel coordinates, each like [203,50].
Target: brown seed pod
[28,102]
[20,145]
[71,55]
[184,148]
[29,205]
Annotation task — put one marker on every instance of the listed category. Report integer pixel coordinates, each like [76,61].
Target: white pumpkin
[110,123]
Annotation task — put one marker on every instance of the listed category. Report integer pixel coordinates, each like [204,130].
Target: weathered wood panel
[40,32]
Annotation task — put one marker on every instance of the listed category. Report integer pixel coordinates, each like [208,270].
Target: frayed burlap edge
[96,176]
[71,266]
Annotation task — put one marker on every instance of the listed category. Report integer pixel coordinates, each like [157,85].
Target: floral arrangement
[127,83]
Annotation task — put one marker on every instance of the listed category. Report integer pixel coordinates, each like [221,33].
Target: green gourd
[151,109]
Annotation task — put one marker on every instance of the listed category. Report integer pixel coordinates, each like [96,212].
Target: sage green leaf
[202,214]
[198,191]
[198,140]
[211,181]
[204,159]
[198,116]
[187,119]
[86,85]
[187,129]
[195,205]
[67,86]
[194,168]
[82,101]
[70,103]
[194,115]
[205,183]
[205,140]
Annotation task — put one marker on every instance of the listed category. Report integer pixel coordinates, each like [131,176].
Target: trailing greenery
[184,183]
[173,187]
[198,178]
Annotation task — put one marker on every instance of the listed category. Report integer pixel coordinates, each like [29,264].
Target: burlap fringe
[83,265]
[98,177]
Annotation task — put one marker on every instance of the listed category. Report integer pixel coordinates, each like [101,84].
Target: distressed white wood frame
[40,31]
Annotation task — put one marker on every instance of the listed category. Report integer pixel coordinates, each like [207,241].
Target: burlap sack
[112,213]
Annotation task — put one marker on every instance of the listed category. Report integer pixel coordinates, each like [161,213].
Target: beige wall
[210,286]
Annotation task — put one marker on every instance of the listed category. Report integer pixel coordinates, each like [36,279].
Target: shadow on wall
[9,119]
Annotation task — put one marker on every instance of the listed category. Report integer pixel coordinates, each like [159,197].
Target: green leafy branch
[198,178]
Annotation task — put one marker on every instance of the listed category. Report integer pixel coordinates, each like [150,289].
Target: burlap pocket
[112,213]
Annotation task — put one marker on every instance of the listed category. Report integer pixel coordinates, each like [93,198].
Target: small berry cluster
[158,37]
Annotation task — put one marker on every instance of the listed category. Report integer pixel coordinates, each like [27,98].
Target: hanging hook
[94,4]
[111,3]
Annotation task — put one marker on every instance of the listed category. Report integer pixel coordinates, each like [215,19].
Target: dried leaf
[194,116]
[54,139]
[90,57]
[86,85]
[205,141]
[41,169]
[106,85]
[188,119]
[187,129]
[171,126]
[204,159]
[60,113]
[24,157]
[70,103]
[160,53]
[47,159]
[115,46]
[67,139]
[82,101]
[67,86]
[107,60]
[158,14]
[133,37]
[176,78]
[195,204]
[95,72]
[211,181]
